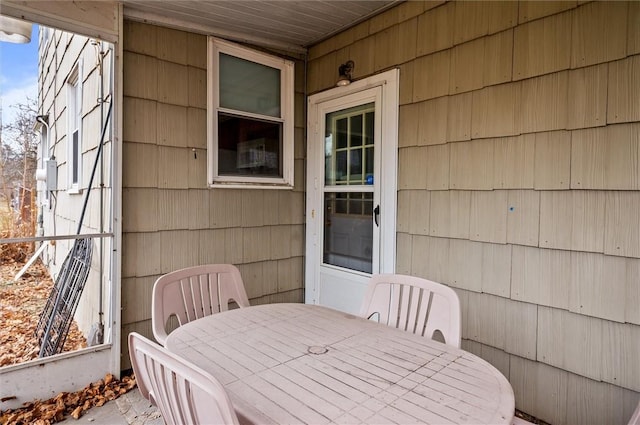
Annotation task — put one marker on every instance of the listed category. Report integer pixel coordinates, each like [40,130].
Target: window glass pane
[72,106]
[356,130]
[249,87]
[74,158]
[249,147]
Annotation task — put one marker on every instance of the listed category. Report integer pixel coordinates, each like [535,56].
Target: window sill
[74,191]
[237,185]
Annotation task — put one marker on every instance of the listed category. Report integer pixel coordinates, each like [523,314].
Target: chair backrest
[195,292]
[415,305]
[184,393]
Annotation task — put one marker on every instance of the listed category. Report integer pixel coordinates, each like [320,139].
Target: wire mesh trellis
[55,319]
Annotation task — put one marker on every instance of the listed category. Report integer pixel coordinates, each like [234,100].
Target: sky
[18,74]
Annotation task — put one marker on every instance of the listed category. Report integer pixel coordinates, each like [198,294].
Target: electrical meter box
[51,169]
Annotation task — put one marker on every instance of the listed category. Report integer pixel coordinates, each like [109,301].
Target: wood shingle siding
[539,387]
[171,220]
[523,217]
[142,126]
[622,235]
[518,185]
[599,33]
[471,165]
[544,103]
[588,95]
[459,117]
[496,269]
[552,162]
[432,121]
[513,168]
[488,216]
[624,91]
[542,46]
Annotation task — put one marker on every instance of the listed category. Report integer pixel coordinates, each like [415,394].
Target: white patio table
[301,363]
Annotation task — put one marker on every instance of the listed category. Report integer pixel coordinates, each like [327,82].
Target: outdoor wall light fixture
[14,30]
[344,71]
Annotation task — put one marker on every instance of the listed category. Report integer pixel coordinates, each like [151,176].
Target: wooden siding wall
[58,56]
[171,219]
[519,184]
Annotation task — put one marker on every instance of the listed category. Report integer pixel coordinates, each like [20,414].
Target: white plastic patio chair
[195,292]
[184,393]
[415,305]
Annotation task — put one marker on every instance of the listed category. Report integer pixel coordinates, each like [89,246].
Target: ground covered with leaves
[73,404]
[21,303]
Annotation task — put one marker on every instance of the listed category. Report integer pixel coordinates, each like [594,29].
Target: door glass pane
[341,133]
[356,130]
[368,152]
[355,166]
[369,126]
[341,166]
[349,138]
[348,230]
[248,86]
[348,220]
[341,203]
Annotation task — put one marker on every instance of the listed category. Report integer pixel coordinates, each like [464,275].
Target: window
[250,132]
[74,128]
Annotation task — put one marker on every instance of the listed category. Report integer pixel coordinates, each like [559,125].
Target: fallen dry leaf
[21,303]
[76,412]
[73,404]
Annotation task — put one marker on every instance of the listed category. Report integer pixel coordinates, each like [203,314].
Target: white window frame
[74,123]
[286,67]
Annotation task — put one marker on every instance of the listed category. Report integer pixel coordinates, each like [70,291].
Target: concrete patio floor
[129,408]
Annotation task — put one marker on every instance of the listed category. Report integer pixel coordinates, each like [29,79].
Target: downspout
[112,98]
[306,94]
[54,198]
[305,108]
[44,122]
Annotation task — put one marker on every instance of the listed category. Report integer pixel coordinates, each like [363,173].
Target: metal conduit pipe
[97,331]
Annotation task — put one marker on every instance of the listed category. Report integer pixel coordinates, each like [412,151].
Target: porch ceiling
[288,25]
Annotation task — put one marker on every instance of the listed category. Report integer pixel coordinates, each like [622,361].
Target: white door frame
[389,83]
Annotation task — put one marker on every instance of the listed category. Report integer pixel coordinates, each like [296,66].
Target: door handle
[376,213]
